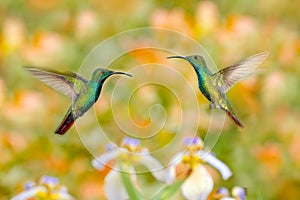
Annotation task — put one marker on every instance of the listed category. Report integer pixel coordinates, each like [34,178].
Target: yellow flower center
[191,158]
[50,193]
[130,157]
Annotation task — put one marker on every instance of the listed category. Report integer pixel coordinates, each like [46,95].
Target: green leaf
[132,192]
[168,191]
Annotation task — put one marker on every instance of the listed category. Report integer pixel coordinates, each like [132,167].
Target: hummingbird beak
[122,73]
[181,57]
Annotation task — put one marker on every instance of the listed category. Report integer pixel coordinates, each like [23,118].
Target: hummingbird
[214,86]
[83,93]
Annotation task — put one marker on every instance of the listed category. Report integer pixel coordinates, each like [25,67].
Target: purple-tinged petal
[131,142]
[28,185]
[192,141]
[239,192]
[223,192]
[63,189]
[198,185]
[110,147]
[101,160]
[49,180]
[132,145]
[216,163]
[193,144]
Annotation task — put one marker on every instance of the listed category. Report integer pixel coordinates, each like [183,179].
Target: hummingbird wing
[229,76]
[68,83]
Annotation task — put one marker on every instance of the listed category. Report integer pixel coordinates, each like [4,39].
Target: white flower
[129,154]
[113,186]
[48,189]
[199,183]
[210,159]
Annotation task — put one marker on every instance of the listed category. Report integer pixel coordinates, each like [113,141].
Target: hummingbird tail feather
[65,124]
[234,118]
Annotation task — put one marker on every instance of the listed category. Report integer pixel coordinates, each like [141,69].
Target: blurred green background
[264,156]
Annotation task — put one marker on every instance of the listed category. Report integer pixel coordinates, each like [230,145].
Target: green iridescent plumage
[215,86]
[83,93]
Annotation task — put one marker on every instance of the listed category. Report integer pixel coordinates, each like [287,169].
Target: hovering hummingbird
[83,93]
[214,86]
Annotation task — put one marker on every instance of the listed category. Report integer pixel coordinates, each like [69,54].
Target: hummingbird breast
[204,88]
[212,93]
[85,101]
[203,81]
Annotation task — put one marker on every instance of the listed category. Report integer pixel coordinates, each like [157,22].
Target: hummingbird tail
[234,118]
[65,124]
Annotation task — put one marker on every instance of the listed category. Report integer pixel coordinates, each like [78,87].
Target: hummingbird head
[194,60]
[101,74]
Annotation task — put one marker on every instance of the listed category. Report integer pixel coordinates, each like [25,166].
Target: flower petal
[101,160]
[62,193]
[131,142]
[64,196]
[223,192]
[113,186]
[198,185]
[239,192]
[49,180]
[175,160]
[216,163]
[29,193]
[28,185]
[132,173]
[190,141]
[155,167]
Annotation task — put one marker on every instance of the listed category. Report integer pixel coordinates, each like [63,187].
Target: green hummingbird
[215,85]
[84,93]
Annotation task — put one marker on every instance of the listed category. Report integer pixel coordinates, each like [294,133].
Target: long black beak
[181,57]
[122,73]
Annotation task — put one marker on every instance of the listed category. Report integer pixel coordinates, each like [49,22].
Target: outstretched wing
[229,76]
[69,84]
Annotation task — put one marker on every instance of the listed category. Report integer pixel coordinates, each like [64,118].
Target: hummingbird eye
[196,57]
